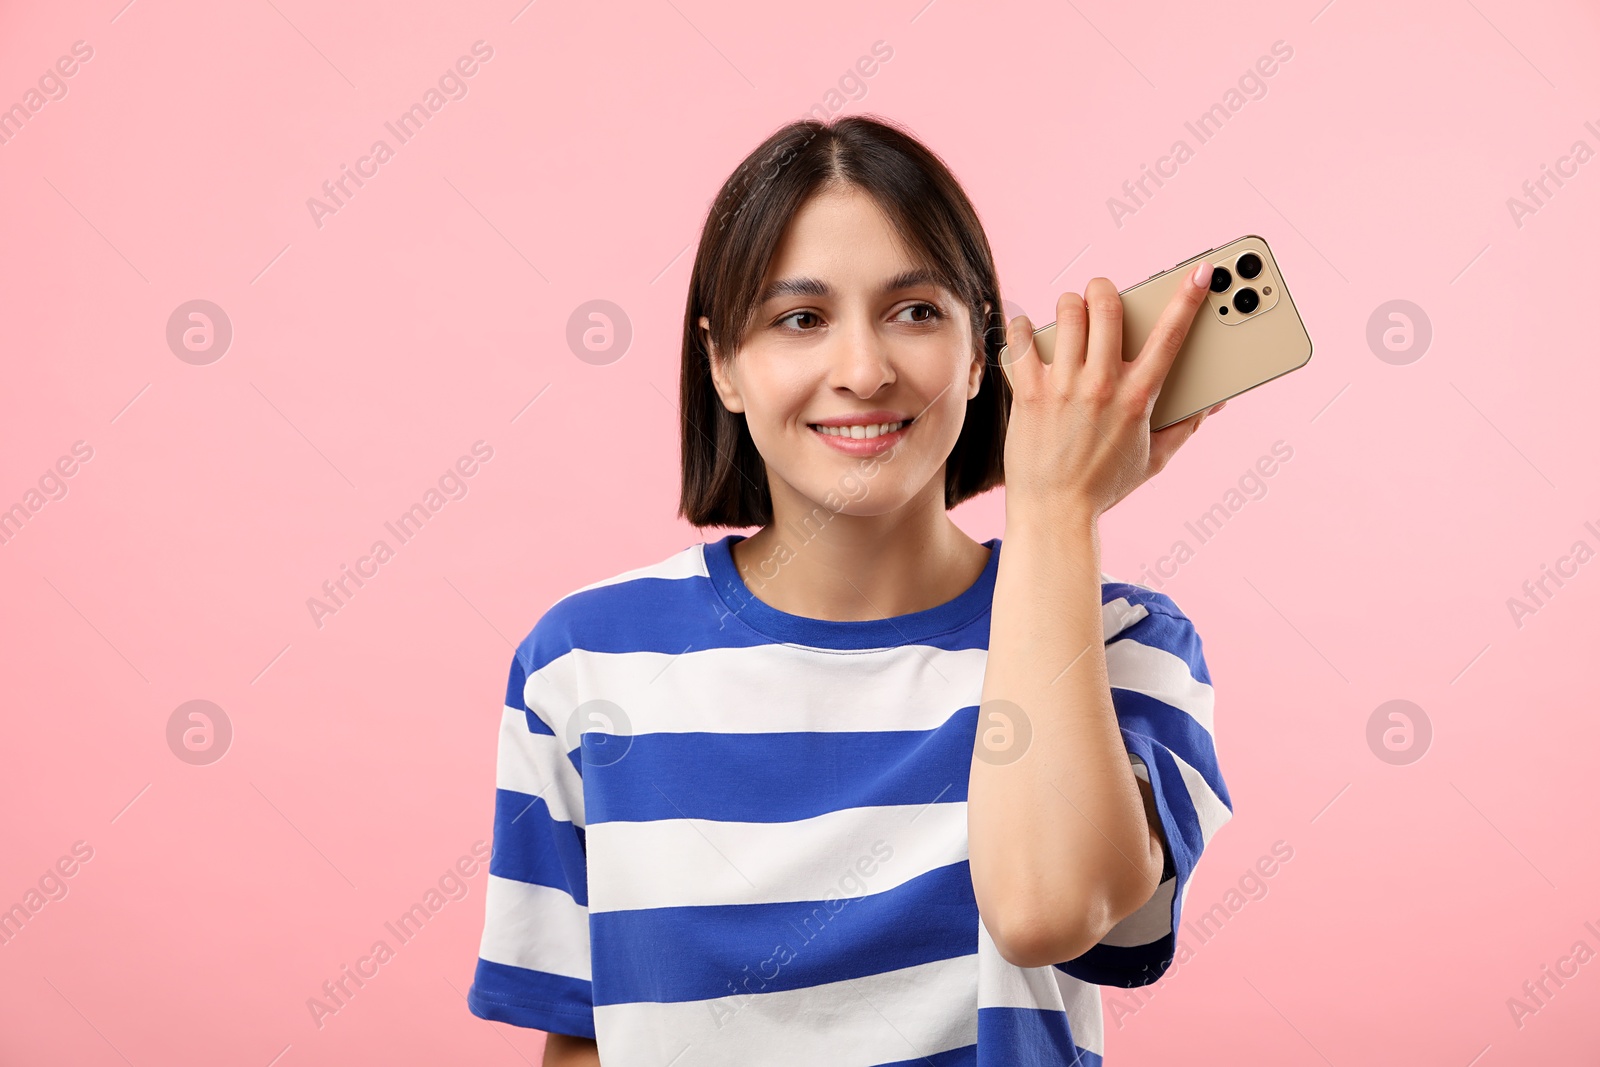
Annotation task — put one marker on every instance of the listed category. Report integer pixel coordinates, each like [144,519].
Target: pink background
[368,354]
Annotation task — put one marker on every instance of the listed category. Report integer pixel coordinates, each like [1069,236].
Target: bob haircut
[724,476]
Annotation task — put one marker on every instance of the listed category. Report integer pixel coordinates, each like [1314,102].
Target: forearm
[564,1050]
[1059,845]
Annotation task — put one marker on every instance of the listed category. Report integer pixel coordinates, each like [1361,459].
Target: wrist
[1055,519]
[1052,531]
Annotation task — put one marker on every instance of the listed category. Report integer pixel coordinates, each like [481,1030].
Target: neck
[841,567]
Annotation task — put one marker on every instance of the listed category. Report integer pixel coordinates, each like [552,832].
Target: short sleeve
[533,962]
[1163,697]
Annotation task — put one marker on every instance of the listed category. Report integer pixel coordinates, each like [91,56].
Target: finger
[1020,359]
[1072,329]
[1161,348]
[1104,355]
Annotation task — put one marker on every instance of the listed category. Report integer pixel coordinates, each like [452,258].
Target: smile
[864,439]
[858,432]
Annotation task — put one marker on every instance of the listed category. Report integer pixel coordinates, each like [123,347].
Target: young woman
[854,789]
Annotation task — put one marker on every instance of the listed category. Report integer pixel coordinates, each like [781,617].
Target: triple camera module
[1246,299]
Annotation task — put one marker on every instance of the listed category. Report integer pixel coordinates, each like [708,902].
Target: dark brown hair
[724,477]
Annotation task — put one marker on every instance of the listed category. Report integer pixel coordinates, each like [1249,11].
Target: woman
[854,789]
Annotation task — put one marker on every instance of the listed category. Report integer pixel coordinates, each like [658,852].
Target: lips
[843,438]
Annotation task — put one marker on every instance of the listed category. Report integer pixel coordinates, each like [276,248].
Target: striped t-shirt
[725,834]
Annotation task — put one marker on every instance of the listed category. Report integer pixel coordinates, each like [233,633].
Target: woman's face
[850,337]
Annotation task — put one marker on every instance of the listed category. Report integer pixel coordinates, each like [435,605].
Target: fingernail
[1202,275]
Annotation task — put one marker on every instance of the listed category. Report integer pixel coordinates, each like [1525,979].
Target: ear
[980,359]
[721,372]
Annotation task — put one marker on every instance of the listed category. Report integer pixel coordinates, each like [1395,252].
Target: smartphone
[1246,334]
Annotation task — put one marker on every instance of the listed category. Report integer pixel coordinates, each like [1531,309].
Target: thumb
[1165,443]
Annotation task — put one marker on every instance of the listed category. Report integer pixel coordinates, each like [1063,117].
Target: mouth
[863,439]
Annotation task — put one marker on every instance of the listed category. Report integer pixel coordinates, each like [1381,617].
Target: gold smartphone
[1247,334]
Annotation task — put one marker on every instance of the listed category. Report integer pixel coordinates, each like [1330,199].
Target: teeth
[877,430]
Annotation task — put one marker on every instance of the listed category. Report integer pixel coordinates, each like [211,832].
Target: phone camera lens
[1246,301]
[1220,279]
[1249,265]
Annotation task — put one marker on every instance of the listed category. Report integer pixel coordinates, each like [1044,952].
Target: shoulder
[601,616]
[1135,612]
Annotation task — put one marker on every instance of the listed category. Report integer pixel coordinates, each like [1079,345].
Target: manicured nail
[1202,275]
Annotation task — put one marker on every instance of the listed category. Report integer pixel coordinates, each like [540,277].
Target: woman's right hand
[1078,437]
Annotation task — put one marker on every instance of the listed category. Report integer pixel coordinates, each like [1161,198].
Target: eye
[935,313]
[795,314]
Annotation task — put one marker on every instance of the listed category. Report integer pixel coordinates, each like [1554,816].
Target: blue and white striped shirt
[725,834]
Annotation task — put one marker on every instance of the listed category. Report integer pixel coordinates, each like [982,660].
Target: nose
[859,358]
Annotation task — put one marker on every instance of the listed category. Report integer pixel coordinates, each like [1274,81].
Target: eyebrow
[907,279]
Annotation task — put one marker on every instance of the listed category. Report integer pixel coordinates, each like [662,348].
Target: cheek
[779,399]
[774,412]
[948,393]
